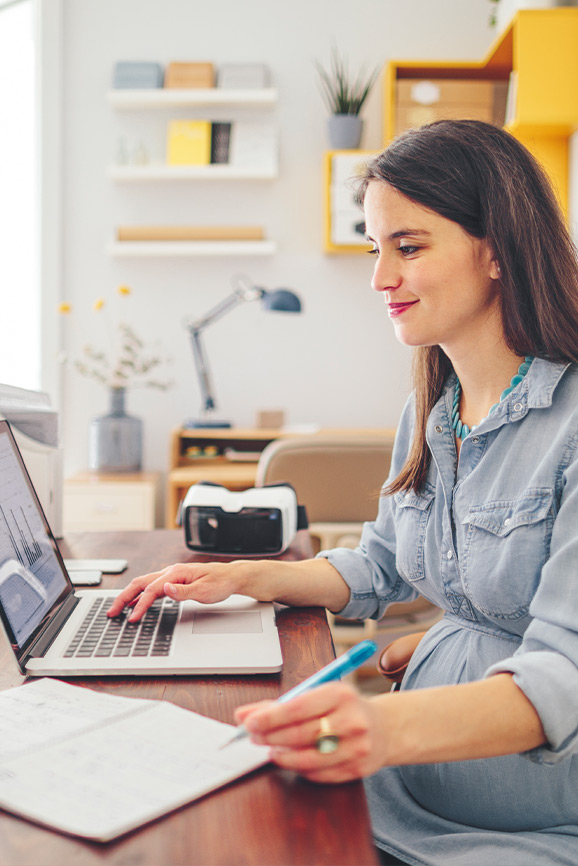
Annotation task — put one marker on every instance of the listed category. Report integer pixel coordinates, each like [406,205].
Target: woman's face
[439,283]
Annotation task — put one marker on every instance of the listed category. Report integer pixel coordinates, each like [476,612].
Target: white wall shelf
[254,163]
[170,97]
[160,171]
[168,249]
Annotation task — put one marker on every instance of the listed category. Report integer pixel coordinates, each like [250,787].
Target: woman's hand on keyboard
[303,583]
[204,582]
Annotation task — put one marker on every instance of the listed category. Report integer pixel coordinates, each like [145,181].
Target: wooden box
[419,102]
[190,75]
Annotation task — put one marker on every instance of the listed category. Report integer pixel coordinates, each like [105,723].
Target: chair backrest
[338,477]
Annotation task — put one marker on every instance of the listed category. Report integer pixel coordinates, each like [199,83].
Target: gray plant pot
[344,131]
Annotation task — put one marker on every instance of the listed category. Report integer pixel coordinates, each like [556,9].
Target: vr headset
[256,522]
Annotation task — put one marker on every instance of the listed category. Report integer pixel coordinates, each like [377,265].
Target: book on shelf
[190,233]
[72,758]
[254,144]
[220,142]
[190,75]
[189,142]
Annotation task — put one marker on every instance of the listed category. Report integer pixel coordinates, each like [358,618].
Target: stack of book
[200,142]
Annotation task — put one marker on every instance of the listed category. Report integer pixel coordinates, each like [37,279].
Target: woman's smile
[397,308]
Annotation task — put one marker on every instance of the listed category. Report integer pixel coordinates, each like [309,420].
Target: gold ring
[327,740]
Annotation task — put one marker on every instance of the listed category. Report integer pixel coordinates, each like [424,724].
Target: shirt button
[450,554]
[438,428]
[506,521]
[518,407]
[475,439]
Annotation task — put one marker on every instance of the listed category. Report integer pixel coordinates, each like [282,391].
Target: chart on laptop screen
[31,578]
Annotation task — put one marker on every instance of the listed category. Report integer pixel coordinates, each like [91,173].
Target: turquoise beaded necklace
[462,429]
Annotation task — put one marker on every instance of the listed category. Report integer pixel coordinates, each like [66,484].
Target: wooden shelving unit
[227,456]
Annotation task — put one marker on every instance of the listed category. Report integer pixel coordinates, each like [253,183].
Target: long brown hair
[482,178]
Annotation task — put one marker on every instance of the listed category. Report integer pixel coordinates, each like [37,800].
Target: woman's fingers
[131,593]
[327,769]
[292,730]
[204,582]
[268,716]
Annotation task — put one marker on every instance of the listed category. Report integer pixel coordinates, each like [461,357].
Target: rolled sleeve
[545,666]
[370,570]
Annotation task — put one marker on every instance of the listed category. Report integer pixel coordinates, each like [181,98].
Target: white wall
[338,364]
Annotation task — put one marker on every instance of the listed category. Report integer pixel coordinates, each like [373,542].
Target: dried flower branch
[128,365]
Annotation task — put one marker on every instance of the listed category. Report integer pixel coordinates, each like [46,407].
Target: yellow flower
[64,308]
[124,290]
[98,304]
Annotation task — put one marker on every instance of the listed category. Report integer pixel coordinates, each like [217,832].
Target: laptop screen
[33,580]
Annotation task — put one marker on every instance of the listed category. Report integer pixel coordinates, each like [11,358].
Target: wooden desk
[270,818]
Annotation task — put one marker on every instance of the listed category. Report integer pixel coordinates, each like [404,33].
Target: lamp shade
[281,300]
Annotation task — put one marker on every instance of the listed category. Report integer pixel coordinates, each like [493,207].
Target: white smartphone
[85,578]
[108,566]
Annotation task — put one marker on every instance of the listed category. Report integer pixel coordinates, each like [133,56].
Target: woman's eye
[408,250]
[373,252]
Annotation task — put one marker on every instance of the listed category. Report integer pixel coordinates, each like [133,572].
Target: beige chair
[338,477]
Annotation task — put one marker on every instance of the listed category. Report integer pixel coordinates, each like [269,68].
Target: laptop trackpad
[227,622]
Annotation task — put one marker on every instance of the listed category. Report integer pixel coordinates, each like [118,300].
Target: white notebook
[72,758]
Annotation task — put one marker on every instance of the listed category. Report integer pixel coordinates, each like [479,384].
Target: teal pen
[339,667]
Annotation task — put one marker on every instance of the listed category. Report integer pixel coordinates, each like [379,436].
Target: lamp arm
[195,327]
[229,303]
[202,368]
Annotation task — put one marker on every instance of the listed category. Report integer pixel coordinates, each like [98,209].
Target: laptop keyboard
[102,637]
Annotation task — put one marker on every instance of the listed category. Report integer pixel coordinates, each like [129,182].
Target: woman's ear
[495,270]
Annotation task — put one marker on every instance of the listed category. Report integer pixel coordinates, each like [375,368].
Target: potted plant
[345,97]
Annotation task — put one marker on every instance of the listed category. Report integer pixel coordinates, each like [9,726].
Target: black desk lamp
[282,300]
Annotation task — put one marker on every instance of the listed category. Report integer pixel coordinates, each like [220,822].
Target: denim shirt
[492,539]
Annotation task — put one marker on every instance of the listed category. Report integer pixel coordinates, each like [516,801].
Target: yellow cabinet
[535,60]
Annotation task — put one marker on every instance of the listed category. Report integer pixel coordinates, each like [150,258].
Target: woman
[475,760]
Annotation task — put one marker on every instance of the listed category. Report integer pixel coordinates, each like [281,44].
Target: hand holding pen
[327,741]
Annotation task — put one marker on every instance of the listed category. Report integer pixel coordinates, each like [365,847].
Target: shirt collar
[534,392]
[540,382]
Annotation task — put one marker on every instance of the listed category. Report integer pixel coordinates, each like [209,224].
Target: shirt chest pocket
[411,518]
[506,544]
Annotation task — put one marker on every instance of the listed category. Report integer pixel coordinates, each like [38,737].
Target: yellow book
[189,142]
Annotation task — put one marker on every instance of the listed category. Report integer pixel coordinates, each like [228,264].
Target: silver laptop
[55,630]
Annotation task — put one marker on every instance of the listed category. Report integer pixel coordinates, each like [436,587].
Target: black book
[220,142]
